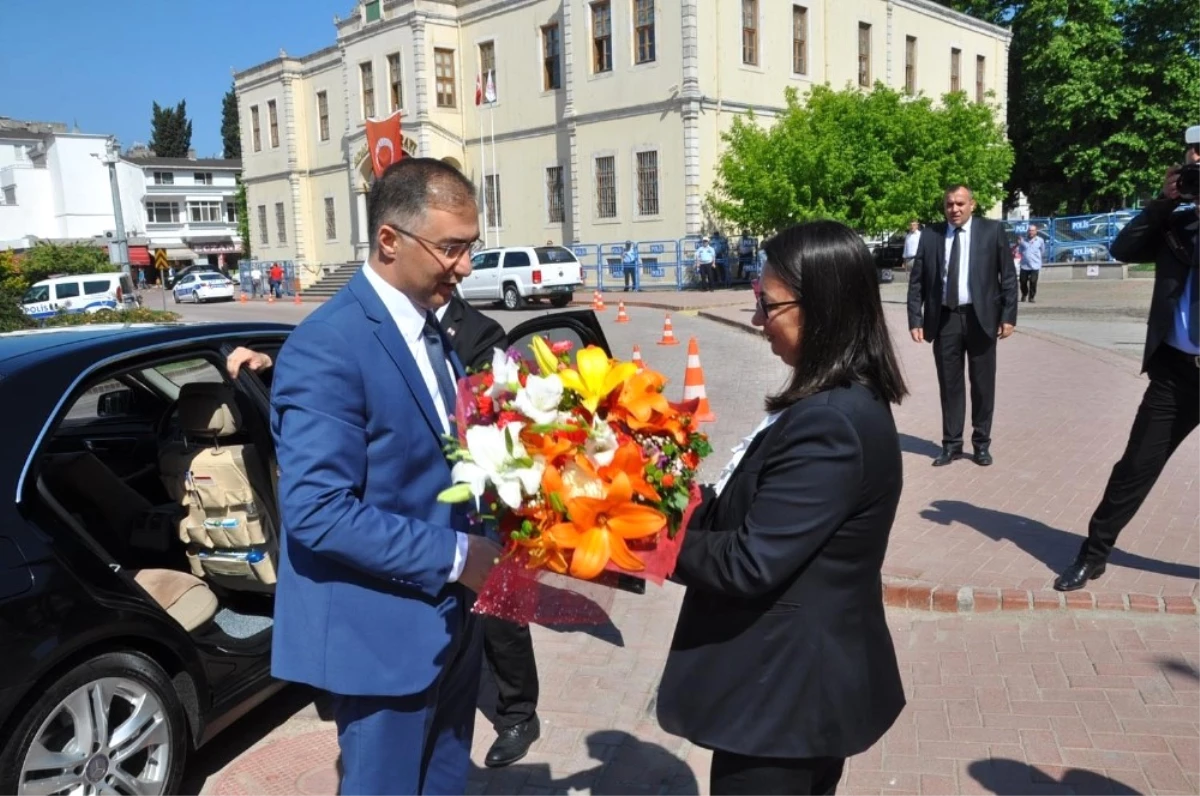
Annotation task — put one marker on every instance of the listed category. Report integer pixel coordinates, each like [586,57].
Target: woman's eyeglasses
[767,307]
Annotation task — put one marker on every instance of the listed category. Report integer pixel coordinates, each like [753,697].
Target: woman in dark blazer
[782,662]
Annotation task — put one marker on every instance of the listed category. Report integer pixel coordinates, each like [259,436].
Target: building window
[330,220]
[910,65]
[10,195]
[322,115]
[554,194]
[955,67]
[396,92]
[443,66]
[487,62]
[273,123]
[643,30]
[647,183]
[366,76]
[231,216]
[980,69]
[204,212]
[262,225]
[203,178]
[162,213]
[491,195]
[606,187]
[280,222]
[750,32]
[601,37]
[800,40]
[864,55]
[254,128]
[371,10]
[164,178]
[551,59]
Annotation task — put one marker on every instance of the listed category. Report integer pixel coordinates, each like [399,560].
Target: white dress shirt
[740,451]
[410,320]
[964,263]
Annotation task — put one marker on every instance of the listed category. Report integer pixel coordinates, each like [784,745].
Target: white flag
[489,93]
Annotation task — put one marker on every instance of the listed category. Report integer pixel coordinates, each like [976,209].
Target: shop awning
[139,255]
[178,255]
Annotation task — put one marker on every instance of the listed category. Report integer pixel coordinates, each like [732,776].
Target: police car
[78,294]
[203,286]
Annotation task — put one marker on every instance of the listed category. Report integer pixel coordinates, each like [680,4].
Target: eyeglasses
[766,308]
[452,252]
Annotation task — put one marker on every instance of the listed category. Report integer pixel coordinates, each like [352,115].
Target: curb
[943,598]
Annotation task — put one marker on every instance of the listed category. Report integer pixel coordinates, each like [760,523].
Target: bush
[12,318]
[138,315]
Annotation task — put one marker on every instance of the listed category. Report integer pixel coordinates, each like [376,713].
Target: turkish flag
[384,142]
[478,89]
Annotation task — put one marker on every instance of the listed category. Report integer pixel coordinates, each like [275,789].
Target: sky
[100,65]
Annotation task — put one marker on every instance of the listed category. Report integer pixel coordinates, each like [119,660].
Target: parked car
[514,275]
[169,280]
[138,547]
[200,286]
[79,293]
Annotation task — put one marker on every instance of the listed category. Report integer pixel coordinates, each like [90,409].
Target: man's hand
[243,357]
[482,555]
[1170,187]
[918,335]
[1006,329]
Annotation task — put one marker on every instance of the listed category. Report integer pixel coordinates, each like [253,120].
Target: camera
[1188,182]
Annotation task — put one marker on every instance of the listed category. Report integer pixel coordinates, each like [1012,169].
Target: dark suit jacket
[472,334]
[781,647]
[993,278]
[1166,238]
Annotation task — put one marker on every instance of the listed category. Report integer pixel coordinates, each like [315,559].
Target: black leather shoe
[1077,575]
[513,743]
[983,457]
[946,456]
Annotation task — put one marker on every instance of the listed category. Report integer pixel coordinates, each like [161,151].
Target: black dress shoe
[946,456]
[983,457]
[1078,574]
[513,743]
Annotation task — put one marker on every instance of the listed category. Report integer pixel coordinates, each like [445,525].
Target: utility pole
[118,251]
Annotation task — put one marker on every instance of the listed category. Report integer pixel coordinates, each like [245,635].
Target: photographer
[1164,233]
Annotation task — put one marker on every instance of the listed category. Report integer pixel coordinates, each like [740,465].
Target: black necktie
[438,359]
[952,272]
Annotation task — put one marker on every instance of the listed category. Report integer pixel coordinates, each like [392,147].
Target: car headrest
[208,409]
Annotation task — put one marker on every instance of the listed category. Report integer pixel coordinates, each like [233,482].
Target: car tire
[175,296]
[512,298]
[562,301]
[141,712]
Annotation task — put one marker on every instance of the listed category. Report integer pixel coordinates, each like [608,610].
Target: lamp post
[118,251]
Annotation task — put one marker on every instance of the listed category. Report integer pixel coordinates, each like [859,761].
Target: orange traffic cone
[637,358]
[693,384]
[297,299]
[668,337]
[270,297]
[600,303]
[621,316]
[243,297]
[595,300]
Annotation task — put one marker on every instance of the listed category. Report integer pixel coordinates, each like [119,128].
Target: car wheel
[176,296]
[512,298]
[562,301]
[113,724]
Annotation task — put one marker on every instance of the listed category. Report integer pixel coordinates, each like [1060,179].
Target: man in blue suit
[376,578]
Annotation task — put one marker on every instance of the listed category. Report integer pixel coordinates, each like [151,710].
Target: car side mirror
[117,403]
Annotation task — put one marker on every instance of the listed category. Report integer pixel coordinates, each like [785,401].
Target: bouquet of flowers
[584,466]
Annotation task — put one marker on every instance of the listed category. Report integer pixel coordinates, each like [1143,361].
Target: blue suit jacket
[362,604]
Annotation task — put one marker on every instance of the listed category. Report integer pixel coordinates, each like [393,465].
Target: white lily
[601,445]
[498,458]
[506,374]
[539,398]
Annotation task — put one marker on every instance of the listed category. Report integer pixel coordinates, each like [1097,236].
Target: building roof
[184,163]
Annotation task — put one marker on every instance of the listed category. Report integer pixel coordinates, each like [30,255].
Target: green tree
[872,160]
[231,132]
[171,131]
[243,216]
[51,259]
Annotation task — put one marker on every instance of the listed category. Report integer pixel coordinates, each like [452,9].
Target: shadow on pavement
[1000,775]
[919,446]
[624,764]
[1053,547]
[1180,667]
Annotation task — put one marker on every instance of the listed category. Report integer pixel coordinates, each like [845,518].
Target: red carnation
[510,417]
[561,347]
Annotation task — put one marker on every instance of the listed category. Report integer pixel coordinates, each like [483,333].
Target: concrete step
[330,284]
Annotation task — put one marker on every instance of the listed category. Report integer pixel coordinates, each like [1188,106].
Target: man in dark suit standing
[1167,233]
[508,647]
[962,296]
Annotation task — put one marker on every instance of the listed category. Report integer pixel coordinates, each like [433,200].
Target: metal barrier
[290,274]
[658,266]
[588,255]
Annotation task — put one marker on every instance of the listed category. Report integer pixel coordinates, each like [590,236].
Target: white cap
[1192,136]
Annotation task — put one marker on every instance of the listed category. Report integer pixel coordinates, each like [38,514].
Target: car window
[515,259]
[212,278]
[66,290]
[35,294]
[554,254]
[95,286]
[485,260]
[87,408]
[189,370]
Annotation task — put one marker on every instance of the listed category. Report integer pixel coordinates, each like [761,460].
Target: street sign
[160,259]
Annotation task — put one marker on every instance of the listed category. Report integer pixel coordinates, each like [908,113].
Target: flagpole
[495,170]
[482,156]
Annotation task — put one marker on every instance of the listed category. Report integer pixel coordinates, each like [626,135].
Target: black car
[121,654]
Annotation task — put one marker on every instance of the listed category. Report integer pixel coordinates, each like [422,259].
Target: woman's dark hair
[845,338]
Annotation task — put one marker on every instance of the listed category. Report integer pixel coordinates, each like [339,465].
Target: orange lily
[598,528]
[642,396]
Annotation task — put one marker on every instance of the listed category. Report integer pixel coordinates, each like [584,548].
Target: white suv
[516,274]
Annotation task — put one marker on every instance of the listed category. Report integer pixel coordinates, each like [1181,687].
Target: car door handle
[109,443]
